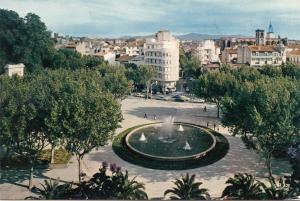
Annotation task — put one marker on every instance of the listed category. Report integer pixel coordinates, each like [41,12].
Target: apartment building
[207,52]
[162,52]
[260,55]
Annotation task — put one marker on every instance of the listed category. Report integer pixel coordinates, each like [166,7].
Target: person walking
[207,124]
[204,108]
[154,117]
[145,116]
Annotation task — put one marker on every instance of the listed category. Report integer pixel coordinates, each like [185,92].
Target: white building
[162,52]
[132,50]
[207,52]
[260,55]
[14,69]
[293,56]
[107,56]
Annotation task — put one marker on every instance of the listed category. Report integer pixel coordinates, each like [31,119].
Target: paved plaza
[238,159]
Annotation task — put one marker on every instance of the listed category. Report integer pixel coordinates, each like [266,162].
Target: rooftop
[262,48]
[294,53]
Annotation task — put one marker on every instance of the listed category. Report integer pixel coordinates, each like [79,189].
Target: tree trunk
[79,169]
[147,93]
[269,165]
[52,154]
[218,108]
[30,175]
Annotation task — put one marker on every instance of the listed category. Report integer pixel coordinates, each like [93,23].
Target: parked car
[180,98]
[165,98]
[197,100]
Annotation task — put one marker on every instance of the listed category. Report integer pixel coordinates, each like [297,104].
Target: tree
[24,40]
[114,80]
[243,187]
[214,86]
[87,115]
[263,114]
[20,123]
[146,75]
[190,65]
[187,189]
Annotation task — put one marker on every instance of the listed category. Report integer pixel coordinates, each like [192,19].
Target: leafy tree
[114,80]
[87,115]
[20,123]
[146,75]
[243,187]
[214,86]
[190,65]
[263,114]
[271,71]
[24,40]
[291,70]
[187,189]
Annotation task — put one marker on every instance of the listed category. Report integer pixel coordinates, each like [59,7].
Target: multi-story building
[260,55]
[229,55]
[132,50]
[293,56]
[207,52]
[162,52]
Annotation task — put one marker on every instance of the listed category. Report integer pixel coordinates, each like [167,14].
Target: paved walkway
[238,159]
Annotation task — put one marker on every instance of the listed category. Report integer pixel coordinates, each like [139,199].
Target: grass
[120,148]
[61,156]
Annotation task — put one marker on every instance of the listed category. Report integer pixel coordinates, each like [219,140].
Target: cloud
[123,17]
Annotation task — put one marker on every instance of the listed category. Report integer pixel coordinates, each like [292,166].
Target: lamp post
[151,88]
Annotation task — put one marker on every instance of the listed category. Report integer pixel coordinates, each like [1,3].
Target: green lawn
[16,161]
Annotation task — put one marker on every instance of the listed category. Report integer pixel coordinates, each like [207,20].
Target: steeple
[270,28]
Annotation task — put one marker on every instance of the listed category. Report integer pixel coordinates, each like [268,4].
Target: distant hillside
[197,36]
[189,36]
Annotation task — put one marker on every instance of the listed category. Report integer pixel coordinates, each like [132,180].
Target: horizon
[114,19]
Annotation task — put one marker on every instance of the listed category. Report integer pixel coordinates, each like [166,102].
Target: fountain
[187,146]
[169,144]
[143,138]
[180,128]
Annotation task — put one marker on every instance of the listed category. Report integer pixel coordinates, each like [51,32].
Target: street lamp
[151,88]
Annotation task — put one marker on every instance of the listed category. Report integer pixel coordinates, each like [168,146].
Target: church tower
[270,33]
[260,37]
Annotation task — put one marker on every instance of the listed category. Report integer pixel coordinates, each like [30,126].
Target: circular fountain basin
[170,142]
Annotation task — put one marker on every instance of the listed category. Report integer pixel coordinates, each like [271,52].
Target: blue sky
[112,18]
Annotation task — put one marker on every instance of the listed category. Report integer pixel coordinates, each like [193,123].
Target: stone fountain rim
[179,158]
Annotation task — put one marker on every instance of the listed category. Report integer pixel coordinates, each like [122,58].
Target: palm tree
[130,189]
[279,191]
[51,190]
[187,189]
[242,186]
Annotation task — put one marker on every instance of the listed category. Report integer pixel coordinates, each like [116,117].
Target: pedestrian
[145,116]
[207,124]
[214,126]
[154,117]
[204,108]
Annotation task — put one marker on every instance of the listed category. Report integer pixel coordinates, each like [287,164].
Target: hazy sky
[110,18]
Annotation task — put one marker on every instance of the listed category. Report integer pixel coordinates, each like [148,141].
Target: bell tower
[260,37]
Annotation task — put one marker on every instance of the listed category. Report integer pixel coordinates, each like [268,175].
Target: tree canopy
[24,40]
